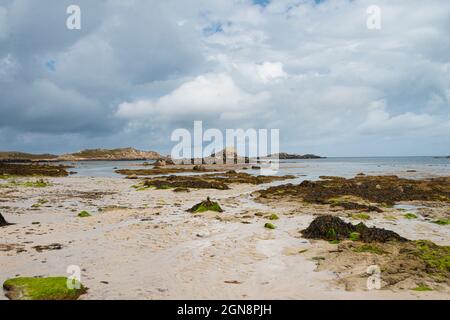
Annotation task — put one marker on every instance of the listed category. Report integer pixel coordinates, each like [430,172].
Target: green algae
[361,216]
[354,236]
[370,248]
[270,226]
[442,222]
[204,206]
[436,257]
[410,216]
[52,288]
[84,214]
[422,287]
[273,217]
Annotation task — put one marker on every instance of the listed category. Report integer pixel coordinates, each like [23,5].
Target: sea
[307,169]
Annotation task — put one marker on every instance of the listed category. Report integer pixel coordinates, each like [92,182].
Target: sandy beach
[145,245]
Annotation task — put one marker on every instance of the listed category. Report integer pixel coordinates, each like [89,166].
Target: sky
[139,69]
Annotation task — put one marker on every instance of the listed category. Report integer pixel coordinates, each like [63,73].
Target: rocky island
[287,156]
[120,154]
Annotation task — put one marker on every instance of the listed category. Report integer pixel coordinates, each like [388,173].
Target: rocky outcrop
[108,155]
[33,169]
[25,157]
[207,205]
[333,228]
[385,190]
[285,156]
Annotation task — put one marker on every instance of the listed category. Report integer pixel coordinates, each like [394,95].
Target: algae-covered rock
[84,214]
[442,222]
[52,288]
[207,205]
[328,228]
[270,226]
[181,189]
[3,222]
[333,228]
[374,189]
[354,236]
[370,248]
[410,216]
[274,217]
[26,170]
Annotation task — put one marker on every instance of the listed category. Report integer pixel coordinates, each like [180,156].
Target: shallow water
[307,169]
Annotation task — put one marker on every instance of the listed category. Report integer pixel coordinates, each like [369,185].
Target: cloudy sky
[138,69]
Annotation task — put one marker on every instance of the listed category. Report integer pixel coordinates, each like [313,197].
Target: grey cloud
[315,71]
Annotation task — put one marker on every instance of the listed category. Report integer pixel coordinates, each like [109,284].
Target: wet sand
[144,245]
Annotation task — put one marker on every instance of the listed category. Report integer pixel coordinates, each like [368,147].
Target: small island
[287,156]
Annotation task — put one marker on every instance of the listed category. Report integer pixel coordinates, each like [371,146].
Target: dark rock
[53,246]
[347,205]
[181,189]
[25,170]
[3,222]
[286,156]
[333,228]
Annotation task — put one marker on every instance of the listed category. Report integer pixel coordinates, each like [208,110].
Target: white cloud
[380,122]
[210,94]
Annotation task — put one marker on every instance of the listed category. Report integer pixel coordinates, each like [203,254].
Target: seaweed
[333,228]
[206,205]
[84,214]
[384,190]
[52,288]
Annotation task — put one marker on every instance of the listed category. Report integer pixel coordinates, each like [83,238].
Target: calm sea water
[307,169]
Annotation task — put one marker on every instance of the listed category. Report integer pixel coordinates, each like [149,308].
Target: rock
[31,170]
[110,154]
[270,226]
[52,288]
[181,189]
[333,228]
[84,214]
[348,205]
[132,177]
[160,163]
[170,162]
[3,222]
[286,156]
[199,168]
[207,205]
[50,247]
[256,167]
[385,190]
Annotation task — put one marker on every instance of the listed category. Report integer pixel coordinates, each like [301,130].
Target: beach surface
[143,244]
